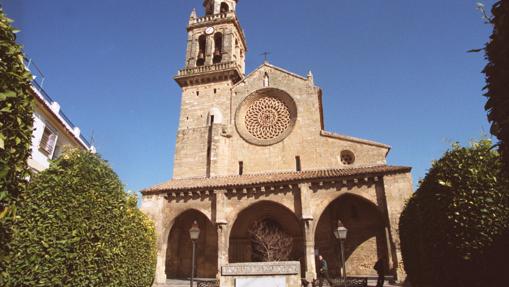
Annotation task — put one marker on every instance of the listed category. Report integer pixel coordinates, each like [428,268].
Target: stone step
[179,283]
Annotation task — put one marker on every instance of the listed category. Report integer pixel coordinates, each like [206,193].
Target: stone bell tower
[215,61]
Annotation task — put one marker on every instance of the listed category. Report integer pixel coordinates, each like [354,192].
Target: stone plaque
[261,268]
[273,281]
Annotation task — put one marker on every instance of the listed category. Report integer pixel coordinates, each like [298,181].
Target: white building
[53,131]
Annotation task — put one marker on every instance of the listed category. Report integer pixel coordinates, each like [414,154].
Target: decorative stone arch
[366,239]
[179,246]
[322,201]
[240,248]
[244,205]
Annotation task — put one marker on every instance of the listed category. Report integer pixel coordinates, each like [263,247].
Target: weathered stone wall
[398,189]
[306,204]
[317,150]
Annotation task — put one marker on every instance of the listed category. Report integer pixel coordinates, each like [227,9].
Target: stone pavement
[185,283]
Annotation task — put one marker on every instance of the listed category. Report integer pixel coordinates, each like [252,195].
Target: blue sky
[393,71]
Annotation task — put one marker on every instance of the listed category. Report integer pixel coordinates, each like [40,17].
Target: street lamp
[340,233]
[194,234]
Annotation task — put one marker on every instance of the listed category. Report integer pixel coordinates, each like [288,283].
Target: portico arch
[240,247]
[179,248]
[366,234]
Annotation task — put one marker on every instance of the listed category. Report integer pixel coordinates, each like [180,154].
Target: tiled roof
[269,178]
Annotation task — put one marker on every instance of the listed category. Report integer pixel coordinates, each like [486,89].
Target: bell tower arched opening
[224,8]
[218,48]
[202,44]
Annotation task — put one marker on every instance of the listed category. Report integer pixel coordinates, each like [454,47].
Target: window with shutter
[48,141]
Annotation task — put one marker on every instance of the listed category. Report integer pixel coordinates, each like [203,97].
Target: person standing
[380,270]
[324,272]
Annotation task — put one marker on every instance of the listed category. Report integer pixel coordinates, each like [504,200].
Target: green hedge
[76,226]
[450,226]
[497,73]
[15,128]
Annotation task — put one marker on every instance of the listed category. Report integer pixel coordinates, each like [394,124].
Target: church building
[253,147]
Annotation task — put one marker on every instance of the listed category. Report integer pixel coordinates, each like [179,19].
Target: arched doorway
[179,250]
[366,235]
[242,247]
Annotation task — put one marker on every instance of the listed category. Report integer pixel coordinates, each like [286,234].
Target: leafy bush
[452,223]
[76,226]
[15,127]
[496,71]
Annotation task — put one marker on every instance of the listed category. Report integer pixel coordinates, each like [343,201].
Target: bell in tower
[216,45]
[219,6]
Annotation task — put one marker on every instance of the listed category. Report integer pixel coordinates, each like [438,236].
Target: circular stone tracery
[267,118]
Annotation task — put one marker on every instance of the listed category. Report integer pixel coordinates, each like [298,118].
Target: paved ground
[185,283]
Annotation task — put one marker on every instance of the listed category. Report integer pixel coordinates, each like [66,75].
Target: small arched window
[202,43]
[218,48]
[224,8]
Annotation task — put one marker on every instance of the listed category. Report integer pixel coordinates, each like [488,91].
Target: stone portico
[369,200]
[254,147]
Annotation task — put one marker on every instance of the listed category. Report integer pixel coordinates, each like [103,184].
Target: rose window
[267,118]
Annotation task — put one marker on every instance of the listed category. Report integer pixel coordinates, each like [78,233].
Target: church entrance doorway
[366,235]
[261,233]
[179,250]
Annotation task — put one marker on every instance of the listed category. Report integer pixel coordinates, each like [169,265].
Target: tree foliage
[75,226]
[270,242]
[451,226]
[497,75]
[15,127]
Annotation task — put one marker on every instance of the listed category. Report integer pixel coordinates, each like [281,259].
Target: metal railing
[37,83]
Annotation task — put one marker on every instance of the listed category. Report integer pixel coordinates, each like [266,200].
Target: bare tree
[270,242]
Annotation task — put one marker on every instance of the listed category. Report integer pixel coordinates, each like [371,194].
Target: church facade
[253,147]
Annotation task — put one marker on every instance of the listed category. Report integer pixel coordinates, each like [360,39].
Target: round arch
[240,246]
[366,234]
[179,248]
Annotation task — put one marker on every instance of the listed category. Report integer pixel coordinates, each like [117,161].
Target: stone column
[228,45]
[309,250]
[222,229]
[392,192]
[209,50]
[153,206]
[191,51]
[222,245]
[308,228]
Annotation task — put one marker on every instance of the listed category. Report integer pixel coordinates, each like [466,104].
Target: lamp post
[340,233]
[194,234]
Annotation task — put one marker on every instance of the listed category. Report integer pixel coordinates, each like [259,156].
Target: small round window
[347,157]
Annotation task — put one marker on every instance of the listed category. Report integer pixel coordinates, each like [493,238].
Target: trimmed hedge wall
[15,129]
[497,73]
[76,226]
[452,224]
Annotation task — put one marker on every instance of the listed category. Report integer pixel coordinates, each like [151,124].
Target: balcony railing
[37,84]
[214,17]
[49,100]
[207,69]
